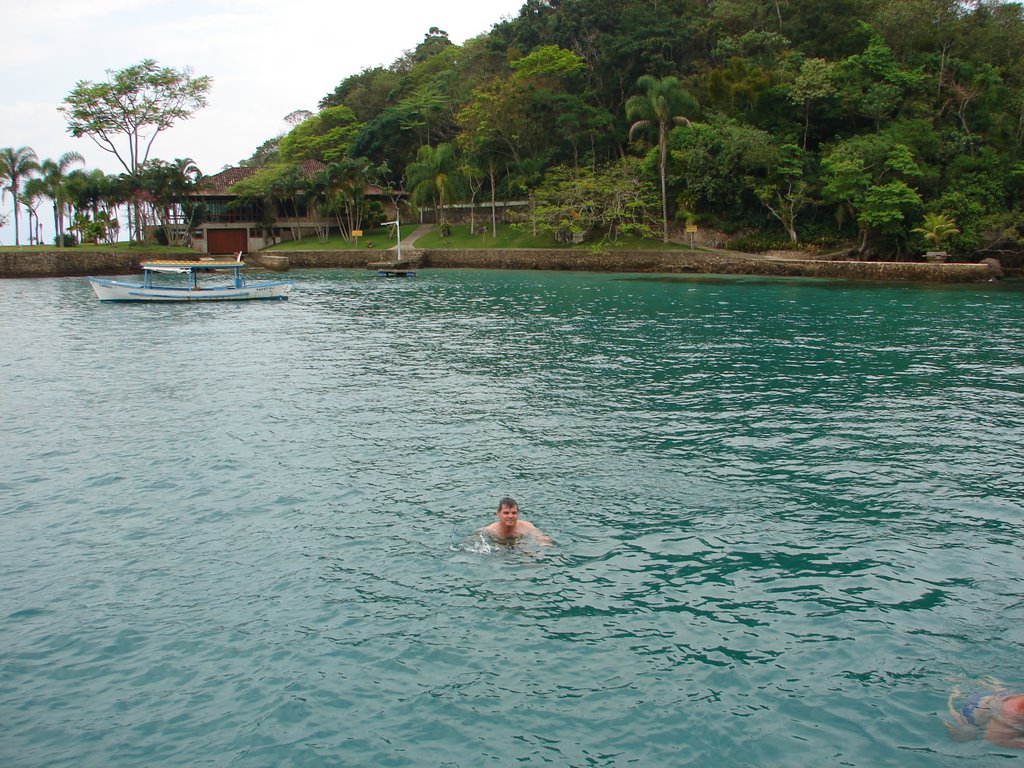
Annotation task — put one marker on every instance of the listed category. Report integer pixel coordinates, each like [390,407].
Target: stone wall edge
[63,264]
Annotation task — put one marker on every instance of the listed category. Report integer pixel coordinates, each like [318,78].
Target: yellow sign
[691,228]
[357,233]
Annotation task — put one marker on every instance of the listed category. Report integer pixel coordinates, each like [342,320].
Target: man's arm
[541,537]
[1004,735]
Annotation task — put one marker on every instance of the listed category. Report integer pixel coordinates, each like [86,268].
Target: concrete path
[416,234]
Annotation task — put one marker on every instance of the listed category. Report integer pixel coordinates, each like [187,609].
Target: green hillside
[893,125]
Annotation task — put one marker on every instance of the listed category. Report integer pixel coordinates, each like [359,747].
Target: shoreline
[61,263]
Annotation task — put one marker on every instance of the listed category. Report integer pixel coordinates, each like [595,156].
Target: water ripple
[786,517]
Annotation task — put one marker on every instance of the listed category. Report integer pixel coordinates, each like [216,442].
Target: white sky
[267,58]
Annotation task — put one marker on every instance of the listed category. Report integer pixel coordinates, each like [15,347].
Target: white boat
[234,288]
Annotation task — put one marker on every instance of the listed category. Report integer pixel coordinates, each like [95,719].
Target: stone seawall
[708,263]
[322,259]
[70,263]
[652,261]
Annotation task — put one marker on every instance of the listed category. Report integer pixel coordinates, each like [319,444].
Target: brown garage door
[226,240]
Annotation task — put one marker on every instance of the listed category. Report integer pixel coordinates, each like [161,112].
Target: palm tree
[660,104]
[341,188]
[15,165]
[937,227]
[163,192]
[191,175]
[433,177]
[32,196]
[54,178]
[98,194]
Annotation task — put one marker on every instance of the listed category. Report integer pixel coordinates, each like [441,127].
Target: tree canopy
[818,120]
[125,114]
[15,166]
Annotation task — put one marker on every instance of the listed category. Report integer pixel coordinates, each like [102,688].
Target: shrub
[759,242]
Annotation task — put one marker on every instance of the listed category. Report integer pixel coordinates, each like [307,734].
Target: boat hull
[117,290]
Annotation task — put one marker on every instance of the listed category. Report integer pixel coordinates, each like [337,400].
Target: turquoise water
[787,517]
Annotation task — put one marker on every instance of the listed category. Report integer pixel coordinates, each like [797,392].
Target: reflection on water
[786,516]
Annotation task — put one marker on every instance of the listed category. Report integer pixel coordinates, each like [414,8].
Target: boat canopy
[182,266]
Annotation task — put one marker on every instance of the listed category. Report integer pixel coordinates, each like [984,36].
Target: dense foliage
[818,120]
[892,126]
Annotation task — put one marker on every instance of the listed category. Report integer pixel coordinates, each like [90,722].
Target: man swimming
[997,714]
[510,527]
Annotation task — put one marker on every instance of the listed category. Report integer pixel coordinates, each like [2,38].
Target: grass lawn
[376,239]
[508,236]
[520,237]
[461,239]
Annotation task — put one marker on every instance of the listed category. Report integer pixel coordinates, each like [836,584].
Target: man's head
[508,512]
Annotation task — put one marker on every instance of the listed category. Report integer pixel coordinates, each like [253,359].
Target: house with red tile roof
[230,223]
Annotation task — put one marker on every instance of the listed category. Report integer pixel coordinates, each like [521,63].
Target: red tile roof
[219,183]
[312,167]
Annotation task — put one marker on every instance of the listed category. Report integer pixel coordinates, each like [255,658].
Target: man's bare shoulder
[533,531]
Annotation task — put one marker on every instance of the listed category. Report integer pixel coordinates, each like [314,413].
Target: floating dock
[392,268]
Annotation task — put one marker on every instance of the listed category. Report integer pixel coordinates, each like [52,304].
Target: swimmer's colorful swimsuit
[968,709]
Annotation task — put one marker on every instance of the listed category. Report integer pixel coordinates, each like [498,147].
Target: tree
[55,178]
[134,106]
[615,199]
[433,177]
[549,109]
[474,176]
[367,94]
[868,174]
[547,65]
[422,110]
[660,105]
[713,158]
[96,197]
[324,136]
[786,191]
[964,87]
[297,117]
[873,85]
[283,187]
[125,114]
[937,228]
[32,196]
[813,82]
[480,142]
[341,186]
[739,87]
[265,154]
[166,187]
[549,88]
[15,166]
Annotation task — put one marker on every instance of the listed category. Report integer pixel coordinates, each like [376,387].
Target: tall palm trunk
[659,105]
[663,167]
